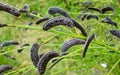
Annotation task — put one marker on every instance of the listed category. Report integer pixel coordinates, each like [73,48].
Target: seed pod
[71,43]
[45,59]
[20,50]
[34,54]
[42,20]
[8,43]
[25,9]
[30,16]
[35,13]
[54,10]
[87,3]
[9,9]
[115,33]
[58,21]
[77,25]
[95,9]
[92,16]
[3,25]
[87,43]
[4,68]
[105,9]
[29,24]
[109,21]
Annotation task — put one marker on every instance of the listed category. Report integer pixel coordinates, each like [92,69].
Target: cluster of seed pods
[41,61]
[5,44]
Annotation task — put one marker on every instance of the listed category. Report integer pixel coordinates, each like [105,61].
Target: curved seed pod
[25,9]
[95,9]
[20,50]
[54,10]
[3,25]
[58,21]
[45,59]
[42,20]
[4,68]
[77,25]
[71,43]
[8,43]
[105,9]
[92,16]
[109,21]
[87,43]
[34,54]
[115,33]
[9,9]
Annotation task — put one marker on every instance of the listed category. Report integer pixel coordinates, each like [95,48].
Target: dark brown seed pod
[71,43]
[87,43]
[4,68]
[9,9]
[34,54]
[92,16]
[45,59]
[58,21]
[25,9]
[3,25]
[105,9]
[54,10]
[115,33]
[8,43]
[95,9]
[20,50]
[42,20]
[77,25]
[109,21]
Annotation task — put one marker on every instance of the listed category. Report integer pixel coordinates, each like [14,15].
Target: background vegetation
[98,52]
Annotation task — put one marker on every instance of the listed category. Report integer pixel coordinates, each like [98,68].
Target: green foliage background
[73,64]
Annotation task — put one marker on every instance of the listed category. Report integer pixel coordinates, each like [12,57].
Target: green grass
[72,64]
